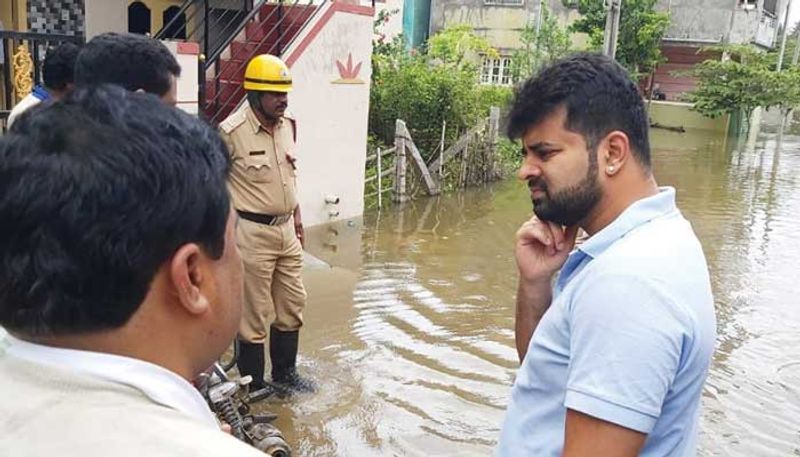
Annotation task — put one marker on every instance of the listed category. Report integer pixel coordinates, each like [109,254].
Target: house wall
[187,55]
[709,20]
[332,111]
[105,16]
[394,25]
[63,17]
[500,25]
[700,21]
[676,114]
[157,8]
[695,24]
[7,17]
[416,22]
[679,59]
[112,15]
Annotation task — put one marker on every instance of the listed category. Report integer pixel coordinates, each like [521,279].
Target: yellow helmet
[267,73]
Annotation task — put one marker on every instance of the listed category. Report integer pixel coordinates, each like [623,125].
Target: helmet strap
[254,98]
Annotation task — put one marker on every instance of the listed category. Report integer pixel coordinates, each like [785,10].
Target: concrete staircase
[270,31]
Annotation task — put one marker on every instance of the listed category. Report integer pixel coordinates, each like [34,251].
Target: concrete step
[262,36]
[270,12]
[232,69]
[215,116]
[246,51]
[223,92]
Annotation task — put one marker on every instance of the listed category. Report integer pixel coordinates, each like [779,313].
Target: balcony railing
[766,31]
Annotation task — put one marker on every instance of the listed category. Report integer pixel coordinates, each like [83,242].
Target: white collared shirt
[159,384]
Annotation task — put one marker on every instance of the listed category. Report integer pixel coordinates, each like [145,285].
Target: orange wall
[6,16]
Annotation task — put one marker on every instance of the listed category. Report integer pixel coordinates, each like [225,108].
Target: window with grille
[496,71]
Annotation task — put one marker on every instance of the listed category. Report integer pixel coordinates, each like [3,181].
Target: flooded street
[409,331]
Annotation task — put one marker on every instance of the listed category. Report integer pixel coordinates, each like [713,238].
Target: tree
[542,48]
[458,45]
[744,82]
[424,88]
[641,29]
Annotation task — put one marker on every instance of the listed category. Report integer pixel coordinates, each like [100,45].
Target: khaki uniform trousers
[273,287]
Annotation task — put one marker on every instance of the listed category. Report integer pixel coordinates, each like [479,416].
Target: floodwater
[410,329]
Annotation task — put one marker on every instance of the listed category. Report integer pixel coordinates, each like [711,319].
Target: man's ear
[616,151]
[187,276]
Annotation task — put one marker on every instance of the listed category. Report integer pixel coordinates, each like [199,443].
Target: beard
[571,205]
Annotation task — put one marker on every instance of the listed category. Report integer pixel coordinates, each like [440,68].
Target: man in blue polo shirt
[616,347]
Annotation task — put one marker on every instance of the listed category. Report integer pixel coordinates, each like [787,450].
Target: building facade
[694,25]
[501,22]
[698,24]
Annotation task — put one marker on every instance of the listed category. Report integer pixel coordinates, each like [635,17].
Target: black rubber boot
[250,362]
[283,354]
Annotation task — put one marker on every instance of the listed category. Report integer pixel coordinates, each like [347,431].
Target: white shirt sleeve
[25,104]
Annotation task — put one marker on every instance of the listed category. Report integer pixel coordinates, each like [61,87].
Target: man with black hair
[135,62]
[58,76]
[615,347]
[120,279]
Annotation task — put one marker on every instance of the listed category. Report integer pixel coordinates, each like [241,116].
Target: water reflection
[742,211]
[410,329]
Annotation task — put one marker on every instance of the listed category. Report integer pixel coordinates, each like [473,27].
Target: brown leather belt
[264,219]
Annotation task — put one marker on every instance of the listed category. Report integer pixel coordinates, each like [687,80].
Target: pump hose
[228,412]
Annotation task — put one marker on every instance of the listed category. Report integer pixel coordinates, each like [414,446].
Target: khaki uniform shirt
[262,180]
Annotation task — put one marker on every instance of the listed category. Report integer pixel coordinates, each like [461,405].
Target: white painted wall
[188,86]
[708,21]
[394,26]
[332,118]
[105,16]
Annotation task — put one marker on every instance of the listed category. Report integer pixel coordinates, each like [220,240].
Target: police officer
[261,140]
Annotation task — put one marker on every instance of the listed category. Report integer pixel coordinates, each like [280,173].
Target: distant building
[695,24]
[500,22]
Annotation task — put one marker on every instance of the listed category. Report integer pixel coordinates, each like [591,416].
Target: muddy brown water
[409,325]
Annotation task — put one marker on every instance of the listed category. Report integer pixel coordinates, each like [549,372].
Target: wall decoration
[348,73]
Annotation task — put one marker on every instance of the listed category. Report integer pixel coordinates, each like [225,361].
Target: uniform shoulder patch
[234,120]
